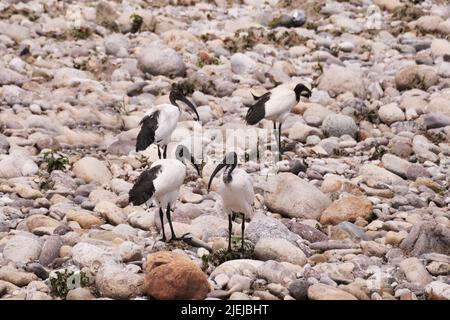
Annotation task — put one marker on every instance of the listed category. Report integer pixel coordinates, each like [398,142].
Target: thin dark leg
[280,152]
[169,218]
[170,221]
[159,152]
[242,231]
[165,152]
[161,217]
[233,216]
[230,230]
[274,125]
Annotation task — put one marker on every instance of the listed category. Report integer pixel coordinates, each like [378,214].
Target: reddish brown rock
[347,208]
[173,276]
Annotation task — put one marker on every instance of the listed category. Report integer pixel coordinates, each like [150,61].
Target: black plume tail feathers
[257,111]
[146,135]
[143,189]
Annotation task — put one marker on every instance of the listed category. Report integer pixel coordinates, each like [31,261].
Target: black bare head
[230,160]
[176,95]
[182,154]
[301,91]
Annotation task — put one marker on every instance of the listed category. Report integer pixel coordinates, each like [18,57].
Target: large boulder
[22,248]
[92,170]
[293,197]
[116,282]
[158,59]
[415,272]
[337,125]
[279,250]
[173,276]
[263,226]
[320,291]
[426,237]
[17,164]
[337,80]
[347,208]
[373,175]
[420,77]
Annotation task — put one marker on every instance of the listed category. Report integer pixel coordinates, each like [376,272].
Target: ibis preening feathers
[158,124]
[236,191]
[161,183]
[275,105]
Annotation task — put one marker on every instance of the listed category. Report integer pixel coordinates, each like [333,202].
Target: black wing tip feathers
[257,111]
[146,135]
[143,188]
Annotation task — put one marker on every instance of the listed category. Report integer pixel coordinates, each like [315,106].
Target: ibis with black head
[160,122]
[275,105]
[236,191]
[161,184]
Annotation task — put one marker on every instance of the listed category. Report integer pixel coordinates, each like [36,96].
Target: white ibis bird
[275,105]
[161,183]
[236,191]
[159,123]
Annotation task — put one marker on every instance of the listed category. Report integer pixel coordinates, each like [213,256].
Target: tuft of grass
[223,255]
[55,160]
[45,183]
[188,86]
[67,280]
[122,107]
[143,160]
[136,23]
[205,59]
[81,33]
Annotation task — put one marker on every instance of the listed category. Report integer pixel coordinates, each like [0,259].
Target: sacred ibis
[275,105]
[159,123]
[161,183]
[236,191]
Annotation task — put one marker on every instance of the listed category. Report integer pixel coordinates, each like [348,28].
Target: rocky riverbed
[358,208]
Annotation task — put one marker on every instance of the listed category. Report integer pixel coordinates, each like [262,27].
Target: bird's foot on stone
[184,237]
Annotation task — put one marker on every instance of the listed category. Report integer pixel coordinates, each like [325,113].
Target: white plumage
[169,116]
[160,122]
[237,195]
[168,183]
[236,191]
[161,183]
[276,105]
[280,104]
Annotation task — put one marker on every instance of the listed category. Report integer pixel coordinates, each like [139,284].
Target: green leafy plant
[136,23]
[205,59]
[142,159]
[67,280]
[81,33]
[55,160]
[223,255]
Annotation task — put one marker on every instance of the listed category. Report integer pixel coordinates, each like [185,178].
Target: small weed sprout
[67,280]
[55,160]
[122,107]
[136,23]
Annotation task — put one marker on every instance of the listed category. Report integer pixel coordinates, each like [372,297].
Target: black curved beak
[195,165]
[216,170]
[190,105]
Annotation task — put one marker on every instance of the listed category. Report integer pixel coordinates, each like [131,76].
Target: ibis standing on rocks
[236,191]
[161,183]
[159,123]
[275,105]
